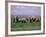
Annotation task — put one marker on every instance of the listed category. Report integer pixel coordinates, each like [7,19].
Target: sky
[18,10]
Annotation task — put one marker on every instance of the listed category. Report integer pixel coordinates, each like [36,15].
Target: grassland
[19,26]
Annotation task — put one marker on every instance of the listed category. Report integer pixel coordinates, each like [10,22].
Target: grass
[25,26]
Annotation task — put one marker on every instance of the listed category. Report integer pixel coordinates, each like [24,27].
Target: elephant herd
[26,19]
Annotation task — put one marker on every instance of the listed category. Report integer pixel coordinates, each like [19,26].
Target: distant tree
[17,19]
[13,20]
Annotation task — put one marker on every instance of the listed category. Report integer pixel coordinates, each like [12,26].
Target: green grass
[25,26]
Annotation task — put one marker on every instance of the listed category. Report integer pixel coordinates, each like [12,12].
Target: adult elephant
[23,20]
[33,18]
[29,19]
[38,19]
